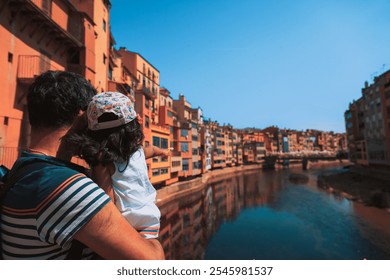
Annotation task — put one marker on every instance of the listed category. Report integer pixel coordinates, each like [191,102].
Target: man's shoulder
[47,164]
[47,171]
[45,179]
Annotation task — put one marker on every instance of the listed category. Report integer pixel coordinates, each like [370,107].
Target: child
[112,147]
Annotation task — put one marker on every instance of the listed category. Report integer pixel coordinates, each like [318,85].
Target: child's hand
[165,153]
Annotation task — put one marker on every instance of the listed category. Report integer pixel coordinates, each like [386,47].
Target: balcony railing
[148,92]
[45,5]
[8,155]
[31,66]
[41,12]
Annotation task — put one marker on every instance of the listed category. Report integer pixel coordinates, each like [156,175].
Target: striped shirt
[45,208]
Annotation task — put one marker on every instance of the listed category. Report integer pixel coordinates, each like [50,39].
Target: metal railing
[8,155]
[44,5]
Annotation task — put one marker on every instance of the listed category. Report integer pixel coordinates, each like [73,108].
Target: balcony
[31,66]
[148,92]
[120,87]
[77,68]
[39,12]
[185,125]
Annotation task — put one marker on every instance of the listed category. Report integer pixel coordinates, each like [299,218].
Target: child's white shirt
[135,196]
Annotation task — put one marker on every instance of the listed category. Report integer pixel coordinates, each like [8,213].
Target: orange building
[120,79]
[218,155]
[168,118]
[229,145]
[368,124]
[161,167]
[254,145]
[183,135]
[97,48]
[196,124]
[146,94]
[41,35]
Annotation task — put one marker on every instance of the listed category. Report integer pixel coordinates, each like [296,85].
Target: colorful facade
[41,35]
[368,125]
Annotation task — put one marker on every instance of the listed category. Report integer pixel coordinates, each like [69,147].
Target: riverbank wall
[179,190]
[366,185]
[313,164]
[182,189]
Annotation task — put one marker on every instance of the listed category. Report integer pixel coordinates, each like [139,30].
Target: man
[52,205]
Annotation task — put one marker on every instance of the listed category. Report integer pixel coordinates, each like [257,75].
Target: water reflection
[187,225]
[263,215]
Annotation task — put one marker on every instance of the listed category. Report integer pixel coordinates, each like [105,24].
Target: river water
[266,215]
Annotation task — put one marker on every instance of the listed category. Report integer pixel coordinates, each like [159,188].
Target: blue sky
[255,63]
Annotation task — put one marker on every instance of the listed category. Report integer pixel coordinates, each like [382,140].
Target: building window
[147,144]
[164,143]
[170,114]
[110,73]
[104,25]
[185,165]
[184,147]
[146,121]
[10,57]
[184,133]
[104,58]
[160,142]
[156,141]
[146,103]
[6,120]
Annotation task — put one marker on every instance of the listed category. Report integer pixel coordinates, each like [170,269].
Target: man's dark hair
[56,97]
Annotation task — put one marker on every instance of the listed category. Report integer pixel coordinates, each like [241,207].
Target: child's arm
[101,175]
[152,151]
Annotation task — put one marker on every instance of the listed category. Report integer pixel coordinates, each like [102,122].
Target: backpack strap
[17,173]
